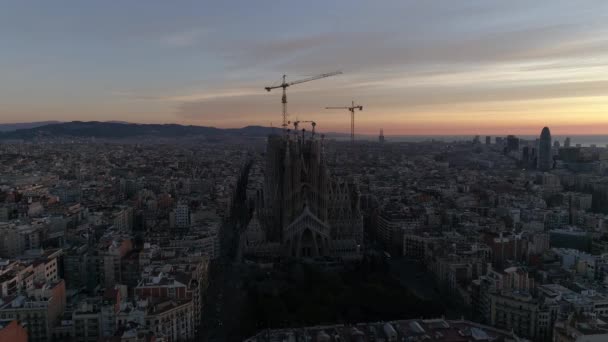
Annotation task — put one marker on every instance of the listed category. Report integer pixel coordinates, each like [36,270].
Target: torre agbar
[303,211]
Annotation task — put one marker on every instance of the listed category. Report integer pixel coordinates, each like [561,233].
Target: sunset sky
[417,67]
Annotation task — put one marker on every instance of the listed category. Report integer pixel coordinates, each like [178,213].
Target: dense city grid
[296,237]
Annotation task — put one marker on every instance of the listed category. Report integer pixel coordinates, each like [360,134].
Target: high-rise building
[381,136]
[567,142]
[488,140]
[512,143]
[545,157]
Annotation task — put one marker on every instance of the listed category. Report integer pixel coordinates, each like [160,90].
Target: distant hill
[128,130]
[24,125]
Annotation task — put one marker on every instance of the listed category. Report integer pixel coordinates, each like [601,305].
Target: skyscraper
[545,157]
[512,143]
[567,142]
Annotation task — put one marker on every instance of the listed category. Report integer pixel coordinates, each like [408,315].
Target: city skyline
[304,171]
[203,64]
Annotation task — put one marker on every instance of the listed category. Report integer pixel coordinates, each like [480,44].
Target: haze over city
[312,171]
[420,67]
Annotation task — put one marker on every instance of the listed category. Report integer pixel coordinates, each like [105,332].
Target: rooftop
[407,330]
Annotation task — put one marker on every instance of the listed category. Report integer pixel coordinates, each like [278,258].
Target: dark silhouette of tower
[296,178]
[381,137]
[512,143]
[303,209]
[545,157]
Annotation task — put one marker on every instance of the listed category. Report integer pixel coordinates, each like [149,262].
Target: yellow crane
[286,84]
[351,109]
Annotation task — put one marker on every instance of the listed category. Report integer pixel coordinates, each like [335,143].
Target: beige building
[517,312]
[580,328]
[171,319]
[39,312]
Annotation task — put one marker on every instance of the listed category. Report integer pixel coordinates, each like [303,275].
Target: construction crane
[351,109]
[286,84]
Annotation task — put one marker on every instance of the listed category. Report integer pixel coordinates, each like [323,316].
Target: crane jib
[284,85]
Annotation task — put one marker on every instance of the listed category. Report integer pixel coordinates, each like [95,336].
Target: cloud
[409,36]
[186,38]
[261,109]
[394,52]
[223,111]
[283,49]
[414,58]
[192,96]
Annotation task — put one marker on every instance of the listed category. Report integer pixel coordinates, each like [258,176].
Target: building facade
[301,207]
[545,156]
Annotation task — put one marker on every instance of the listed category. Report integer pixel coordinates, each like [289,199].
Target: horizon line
[52,122]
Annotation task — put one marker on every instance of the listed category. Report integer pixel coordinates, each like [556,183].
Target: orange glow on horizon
[573,116]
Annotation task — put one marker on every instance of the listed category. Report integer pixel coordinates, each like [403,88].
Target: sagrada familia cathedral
[302,211]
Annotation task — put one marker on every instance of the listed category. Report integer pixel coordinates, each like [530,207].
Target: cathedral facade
[302,211]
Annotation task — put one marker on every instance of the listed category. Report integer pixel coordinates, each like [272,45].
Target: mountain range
[24,125]
[121,130]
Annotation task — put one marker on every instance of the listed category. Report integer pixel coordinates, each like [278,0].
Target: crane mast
[284,84]
[351,109]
